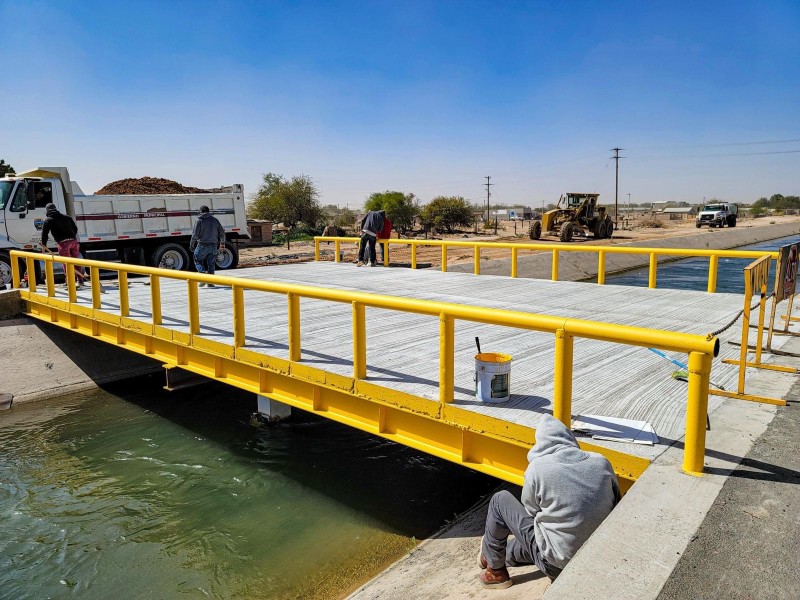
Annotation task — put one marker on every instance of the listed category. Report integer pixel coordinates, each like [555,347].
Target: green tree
[445,213]
[399,207]
[5,168]
[289,202]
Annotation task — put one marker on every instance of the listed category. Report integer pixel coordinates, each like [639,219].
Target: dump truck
[717,214]
[151,230]
[576,214]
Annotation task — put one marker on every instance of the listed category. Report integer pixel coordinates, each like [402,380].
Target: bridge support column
[272,410]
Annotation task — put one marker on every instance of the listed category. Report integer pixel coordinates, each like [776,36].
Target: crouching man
[566,494]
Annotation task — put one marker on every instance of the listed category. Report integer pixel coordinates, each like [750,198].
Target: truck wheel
[732,221]
[5,271]
[565,233]
[698,225]
[171,256]
[536,230]
[228,258]
[599,230]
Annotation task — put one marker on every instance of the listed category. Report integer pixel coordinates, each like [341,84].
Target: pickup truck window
[43,192]
[714,207]
[20,201]
[5,192]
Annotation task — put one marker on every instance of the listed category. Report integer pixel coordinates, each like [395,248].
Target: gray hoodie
[373,222]
[567,491]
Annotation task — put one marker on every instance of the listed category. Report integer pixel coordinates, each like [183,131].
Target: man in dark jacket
[372,226]
[65,233]
[566,494]
[208,235]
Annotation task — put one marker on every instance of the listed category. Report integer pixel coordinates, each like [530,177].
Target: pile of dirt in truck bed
[149,185]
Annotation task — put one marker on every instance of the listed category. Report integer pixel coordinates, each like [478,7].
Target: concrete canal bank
[44,361]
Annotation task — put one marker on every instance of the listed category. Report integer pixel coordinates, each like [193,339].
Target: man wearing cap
[65,233]
[208,235]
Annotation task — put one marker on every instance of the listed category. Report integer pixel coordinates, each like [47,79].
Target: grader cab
[575,215]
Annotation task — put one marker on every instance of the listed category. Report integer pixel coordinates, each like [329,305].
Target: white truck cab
[717,214]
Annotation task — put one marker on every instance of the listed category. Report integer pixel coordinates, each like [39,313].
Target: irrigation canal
[142,493]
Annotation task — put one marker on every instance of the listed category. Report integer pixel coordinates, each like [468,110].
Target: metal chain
[736,318]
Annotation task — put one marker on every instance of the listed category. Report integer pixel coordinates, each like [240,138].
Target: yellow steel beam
[477,441]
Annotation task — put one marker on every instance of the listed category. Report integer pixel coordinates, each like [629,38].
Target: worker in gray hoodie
[207,237]
[566,494]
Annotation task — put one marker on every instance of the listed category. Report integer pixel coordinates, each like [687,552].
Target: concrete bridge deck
[403,352]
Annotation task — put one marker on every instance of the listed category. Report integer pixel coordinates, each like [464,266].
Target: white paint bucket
[492,377]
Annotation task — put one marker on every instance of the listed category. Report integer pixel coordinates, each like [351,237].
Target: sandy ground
[632,232]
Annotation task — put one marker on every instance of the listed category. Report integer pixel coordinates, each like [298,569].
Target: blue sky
[422,97]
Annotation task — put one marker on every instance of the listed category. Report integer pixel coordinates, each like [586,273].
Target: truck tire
[599,229]
[171,256]
[565,233]
[732,221]
[228,258]
[535,230]
[698,225]
[5,271]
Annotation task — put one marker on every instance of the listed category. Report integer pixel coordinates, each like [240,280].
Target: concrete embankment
[635,550]
[575,266]
[42,360]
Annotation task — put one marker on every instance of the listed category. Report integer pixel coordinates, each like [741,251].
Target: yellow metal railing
[701,349]
[601,251]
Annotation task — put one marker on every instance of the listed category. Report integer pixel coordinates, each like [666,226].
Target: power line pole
[488,185]
[616,158]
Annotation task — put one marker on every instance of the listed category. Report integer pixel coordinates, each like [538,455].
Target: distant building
[680,213]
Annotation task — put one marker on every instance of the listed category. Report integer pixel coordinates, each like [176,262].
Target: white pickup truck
[718,214]
[152,230]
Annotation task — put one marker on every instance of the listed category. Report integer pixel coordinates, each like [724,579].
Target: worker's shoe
[210,285]
[370,264]
[359,264]
[202,284]
[495,579]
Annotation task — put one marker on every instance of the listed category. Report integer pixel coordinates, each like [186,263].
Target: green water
[148,494]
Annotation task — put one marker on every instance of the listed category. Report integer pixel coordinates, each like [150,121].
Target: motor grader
[574,215]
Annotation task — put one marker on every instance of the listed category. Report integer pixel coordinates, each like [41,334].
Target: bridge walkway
[609,379]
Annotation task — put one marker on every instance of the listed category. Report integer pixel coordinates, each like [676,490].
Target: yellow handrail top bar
[638,336]
[568,247]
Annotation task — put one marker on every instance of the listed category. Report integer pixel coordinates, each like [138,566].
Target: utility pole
[488,184]
[616,158]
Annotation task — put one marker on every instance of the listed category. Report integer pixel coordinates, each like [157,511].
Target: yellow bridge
[416,385]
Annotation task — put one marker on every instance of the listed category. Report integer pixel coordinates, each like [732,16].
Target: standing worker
[65,233]
[207,237]
[372,226]
[566,494]
[385,234]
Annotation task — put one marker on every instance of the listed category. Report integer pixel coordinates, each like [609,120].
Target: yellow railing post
[294,326]
[713,263]
[748,297]
[336,250]
[238,317]
[316,249]
[194,307]
[50,276]
[554,271]
[446,358]
[651,280]
[359,341]
[155,296]
[69,274]
[16,280]
[696,410]
[96,288]
[477,260]
[124,305]
[31,271]
[514,254]
[444,258]
[562,378]
[601,267]
[413,255]
[385,253]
